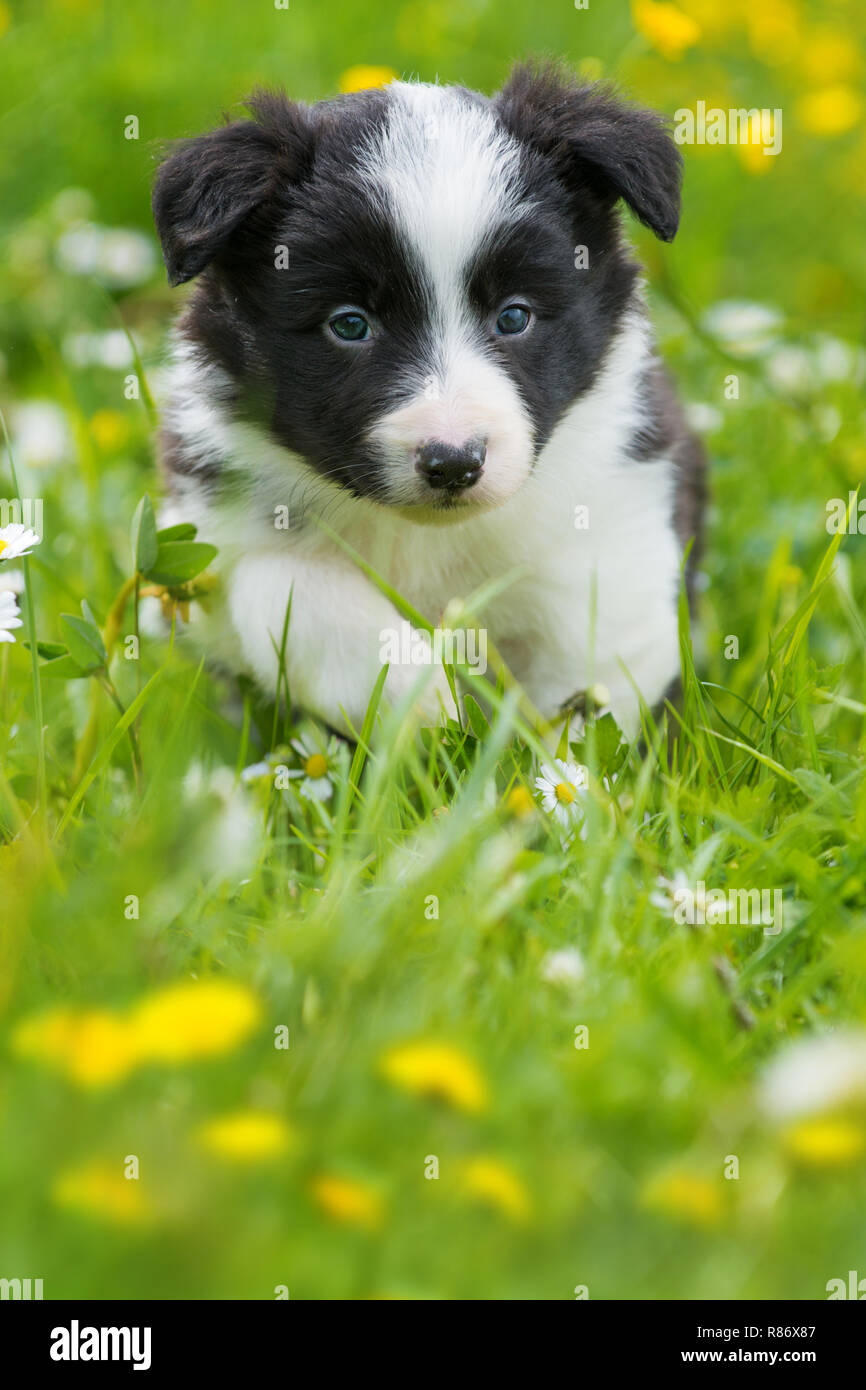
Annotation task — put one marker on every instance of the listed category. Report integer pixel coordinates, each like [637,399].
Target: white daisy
[13,580]
[318,766]
[562,786]
[815,1074]
[9,615]
[16,539]
[676,896]
[563,967]
[256,772]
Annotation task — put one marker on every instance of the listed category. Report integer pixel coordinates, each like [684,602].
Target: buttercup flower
[9,615]
[437,1070]
[16,539]
[562,786]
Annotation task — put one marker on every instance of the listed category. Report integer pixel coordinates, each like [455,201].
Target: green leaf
[64,668]
[144,541]
[48,650]
[179,561]
[85,642]
[475,717]
[184,531]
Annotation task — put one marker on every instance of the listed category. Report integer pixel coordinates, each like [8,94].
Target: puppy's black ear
[210,184]
[596,138]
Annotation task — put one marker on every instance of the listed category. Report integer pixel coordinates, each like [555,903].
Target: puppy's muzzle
[451,467]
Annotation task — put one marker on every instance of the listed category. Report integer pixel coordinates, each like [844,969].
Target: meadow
[282,1016]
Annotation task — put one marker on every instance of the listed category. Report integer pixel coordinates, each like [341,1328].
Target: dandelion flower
[830,1143]
[16,540]
[100,1189]
[830,111]
[562,786]
[246,1136]
[666,27]
[194,1019]
[495,1184]
[519,802]
[364,76]
[348,1201]
[10,615]
[93,1048]
[687,1197]
[437,1070]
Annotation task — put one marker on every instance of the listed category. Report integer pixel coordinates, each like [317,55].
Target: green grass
[415,905]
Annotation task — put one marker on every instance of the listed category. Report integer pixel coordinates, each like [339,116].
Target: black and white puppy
[418,320]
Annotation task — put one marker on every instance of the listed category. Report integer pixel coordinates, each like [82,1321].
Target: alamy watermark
[19,511]
[737,126]
[744,907]
[409,646]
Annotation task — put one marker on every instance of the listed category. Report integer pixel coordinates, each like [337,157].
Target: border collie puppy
[417,320]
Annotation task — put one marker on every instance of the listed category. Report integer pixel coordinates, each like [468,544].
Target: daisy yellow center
[564,793]
[3,545]
[316,766]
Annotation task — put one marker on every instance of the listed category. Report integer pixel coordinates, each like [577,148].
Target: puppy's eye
[350,327]
[513,319]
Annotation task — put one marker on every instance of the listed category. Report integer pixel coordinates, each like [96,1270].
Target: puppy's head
[411,285]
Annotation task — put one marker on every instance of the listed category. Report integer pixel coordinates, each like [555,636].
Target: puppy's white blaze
[472,400]
[449,176]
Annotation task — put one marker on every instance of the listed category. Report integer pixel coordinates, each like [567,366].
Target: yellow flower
[497,1185]
[348,1201]
[826,1143]
[93,1048]
[194,1019]
[830,56]
[751,147]
[246,1136]
[364,76]
[437,1070]
[109,428]
[685,1197]
[665,27]
[830,110]
[100,1189]
[775,31]
[519,802]
[96,1047]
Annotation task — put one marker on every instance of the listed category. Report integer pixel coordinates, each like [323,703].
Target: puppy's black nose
[451,466]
